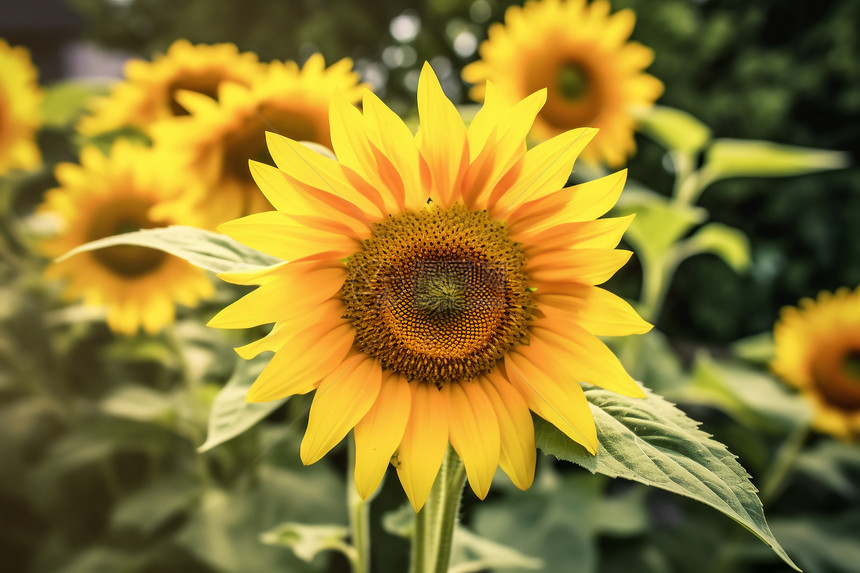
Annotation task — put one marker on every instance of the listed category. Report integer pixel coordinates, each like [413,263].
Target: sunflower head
[440,286]
[131,189]
[20,116]
[581,55]
[149,90]
[218,137]
[818,352]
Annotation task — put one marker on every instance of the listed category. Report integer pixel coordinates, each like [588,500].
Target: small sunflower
[148,93]
[20,116]
[438,288]
[218,137]
[131,189]
[580,53]
[818,352]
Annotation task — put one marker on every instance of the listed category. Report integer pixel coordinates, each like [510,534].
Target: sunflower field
[447,286]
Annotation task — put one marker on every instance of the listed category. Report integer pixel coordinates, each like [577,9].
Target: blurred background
[94,479]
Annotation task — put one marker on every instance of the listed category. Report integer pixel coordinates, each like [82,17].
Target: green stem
[359,518]
[435,523]
[783,463]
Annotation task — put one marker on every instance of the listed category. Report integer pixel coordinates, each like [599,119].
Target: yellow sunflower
[580,53]
[20,115]
[218,137]
[131,189]
[148,93]
[438,288]
[818,352]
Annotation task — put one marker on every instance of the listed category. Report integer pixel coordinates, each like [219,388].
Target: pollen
[438,295]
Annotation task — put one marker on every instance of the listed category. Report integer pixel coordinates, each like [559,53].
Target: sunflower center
[438,295]
[836,375]
[204,83]
[128,261]
[851,365]
[573,81]
[248,141]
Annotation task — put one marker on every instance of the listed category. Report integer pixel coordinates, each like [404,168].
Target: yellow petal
[442,139]
[561,404]
[292,199]
[275,233]
[320,172]
[303,361]
[341,400]
[571,354]
[287,295]
[393,137]
[587,266]
[424,442]
[474,433]
[378,434]
[546,168]
[597,234]
[517,453]
[594,309]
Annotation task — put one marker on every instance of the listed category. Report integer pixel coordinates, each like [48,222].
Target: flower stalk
[434,525]
[359,519]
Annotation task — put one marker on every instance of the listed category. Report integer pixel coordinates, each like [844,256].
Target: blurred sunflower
[218,137]
[148,93]
[20,115]
[131,189]
[593,75]
[439,287]
[818,352]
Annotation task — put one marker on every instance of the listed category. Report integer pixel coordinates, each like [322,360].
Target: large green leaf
[729,244]
[752,158]
[231,414]
[653,442]
[211,251]
[674,129]
[307,541]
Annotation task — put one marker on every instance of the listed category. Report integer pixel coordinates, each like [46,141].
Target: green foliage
[211,251]
[231,415]
[750,158]
[652,442]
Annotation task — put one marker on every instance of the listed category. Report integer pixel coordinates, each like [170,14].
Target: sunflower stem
[359,518]
[433,536]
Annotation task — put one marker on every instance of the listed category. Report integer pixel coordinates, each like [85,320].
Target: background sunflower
[20,115]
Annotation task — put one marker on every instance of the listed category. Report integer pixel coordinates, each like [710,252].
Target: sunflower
[130,189]
[593,75]
[818,352]
[148,93]
[218,137]
[438,288]
[20,117]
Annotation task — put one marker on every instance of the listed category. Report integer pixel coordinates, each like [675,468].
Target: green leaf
[231,414]
[753,398]
[307,541]
[659,223]
[823,543]
[674,129]
[139,403]
[753,158]
[224,529]
[472,554]
[653,442]
[64,102]
[729,244]
[211,251]
[758,348]
[833,464]
[153,505]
